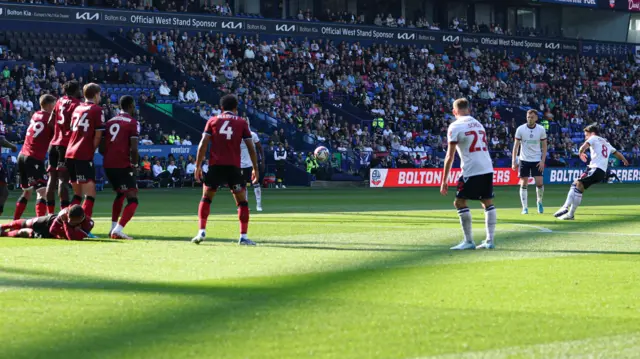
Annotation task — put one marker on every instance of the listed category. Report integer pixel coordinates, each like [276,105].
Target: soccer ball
[321,153]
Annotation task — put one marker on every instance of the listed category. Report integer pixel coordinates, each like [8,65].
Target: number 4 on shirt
[225,129]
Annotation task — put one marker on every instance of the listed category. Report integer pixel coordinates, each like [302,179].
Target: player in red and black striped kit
[61,121]
[4,192]
[225,132]
[120,149]
[71,224]
[31,159]
[87,127]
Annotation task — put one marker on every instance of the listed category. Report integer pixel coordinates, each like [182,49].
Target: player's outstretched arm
[448,162]
[514,154]
[621,157]
[254,158]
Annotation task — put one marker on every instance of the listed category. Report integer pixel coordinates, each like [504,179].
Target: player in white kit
[469,137]
[596,172]
[247,167]
[531,139]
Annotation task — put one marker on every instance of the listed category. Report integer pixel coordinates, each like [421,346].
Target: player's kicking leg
[574,199]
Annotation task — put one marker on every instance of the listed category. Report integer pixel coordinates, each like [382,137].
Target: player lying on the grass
[468,137]
[531,139]
[31,168]
[596,172]
[70,224]
[225,132]
[120,150]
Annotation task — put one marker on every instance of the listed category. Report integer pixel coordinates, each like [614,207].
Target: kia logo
[552,46]
[286,28]
[231,25]
[87,16]
[450,38]
[406,36]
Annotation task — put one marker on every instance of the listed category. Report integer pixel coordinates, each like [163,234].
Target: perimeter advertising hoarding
[105,17]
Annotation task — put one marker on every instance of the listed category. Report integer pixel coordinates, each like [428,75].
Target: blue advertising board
[42,15]
[568,175]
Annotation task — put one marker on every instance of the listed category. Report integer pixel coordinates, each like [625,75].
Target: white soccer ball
[321,153]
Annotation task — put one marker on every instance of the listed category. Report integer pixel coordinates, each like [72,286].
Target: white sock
[202,233]
[569,200]
[465,222]
[490,220]
[577,199]
[244,236]
[246,193]
[113,225]
[258,192]
[524,197]
[118,228]
[539,193]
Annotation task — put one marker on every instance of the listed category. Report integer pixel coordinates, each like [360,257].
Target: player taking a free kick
[31,168]
[596,172]
[87,126]
[225,132]
[468,136]
[531,139]
[120,149]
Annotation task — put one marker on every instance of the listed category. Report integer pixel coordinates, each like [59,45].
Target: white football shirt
[600,151]
[531,142]
[472,146]
[245,159]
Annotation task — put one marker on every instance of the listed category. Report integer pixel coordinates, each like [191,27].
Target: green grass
[338,274]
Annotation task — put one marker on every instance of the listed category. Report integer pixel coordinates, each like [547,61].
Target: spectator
[61,59]
[181,97]
[146,141]
[192,96]
[114,60]
[164,89]
[146,168]
[187,141]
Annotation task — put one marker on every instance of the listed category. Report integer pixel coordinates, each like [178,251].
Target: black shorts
[475,187]
[31,172]
[529,169]
[592,176]
[57,158]
[41,225]
[122,179]
[81,171]
[225,175]
[246,175]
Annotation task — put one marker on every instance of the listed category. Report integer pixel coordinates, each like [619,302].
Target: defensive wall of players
[38,17]
[432,177]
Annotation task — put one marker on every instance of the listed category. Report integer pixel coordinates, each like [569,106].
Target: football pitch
[350,273]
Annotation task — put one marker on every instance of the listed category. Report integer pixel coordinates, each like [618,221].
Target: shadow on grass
[244,300]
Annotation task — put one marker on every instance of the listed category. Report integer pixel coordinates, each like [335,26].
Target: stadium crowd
[406,91]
